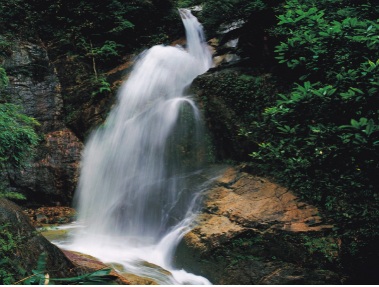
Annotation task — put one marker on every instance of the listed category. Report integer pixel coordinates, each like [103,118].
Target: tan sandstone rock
[253,231]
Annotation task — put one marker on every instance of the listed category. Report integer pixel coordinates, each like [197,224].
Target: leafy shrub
[17,135]
[323,135]
[8,245]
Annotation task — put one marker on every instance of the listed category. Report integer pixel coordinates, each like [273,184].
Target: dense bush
[324,134]
[320,136]
[8,244]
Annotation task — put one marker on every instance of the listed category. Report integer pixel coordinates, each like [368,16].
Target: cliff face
[52,175]
[49,90]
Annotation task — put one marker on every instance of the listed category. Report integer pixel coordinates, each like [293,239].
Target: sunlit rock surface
[253,231]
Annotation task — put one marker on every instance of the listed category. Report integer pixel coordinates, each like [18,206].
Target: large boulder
[24,257]
[52,176]
[253,231]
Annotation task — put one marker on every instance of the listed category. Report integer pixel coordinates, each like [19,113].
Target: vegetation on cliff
[17,136]
[85,40]
[319,134]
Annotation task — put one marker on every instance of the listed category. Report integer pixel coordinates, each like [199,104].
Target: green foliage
[107,50]
[4,46]
[90,29]
[38,277]
[10,269]
[41,276]
[12,195]
[188,3]
[4,81]
[245,94]
[242,93]
[322,137]
[325,42]
[8,244]
[102,86]
[324,247]
[86,39]
[98,277]
[17,136]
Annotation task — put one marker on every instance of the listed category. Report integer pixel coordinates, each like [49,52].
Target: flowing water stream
[141,174]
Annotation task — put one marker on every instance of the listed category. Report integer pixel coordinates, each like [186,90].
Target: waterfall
[139,183]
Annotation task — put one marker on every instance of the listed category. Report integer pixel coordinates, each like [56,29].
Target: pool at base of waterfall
[132,263]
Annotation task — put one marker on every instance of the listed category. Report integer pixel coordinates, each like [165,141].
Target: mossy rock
[31,244]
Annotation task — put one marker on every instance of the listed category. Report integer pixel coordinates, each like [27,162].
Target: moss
[233,101]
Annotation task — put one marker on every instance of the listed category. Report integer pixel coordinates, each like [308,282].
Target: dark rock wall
[51,178]
[34,84]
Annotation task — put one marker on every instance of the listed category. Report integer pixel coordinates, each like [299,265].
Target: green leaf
[307,85]
[357,90]
[370,127]
[372,64]
[101,276]
[354,123]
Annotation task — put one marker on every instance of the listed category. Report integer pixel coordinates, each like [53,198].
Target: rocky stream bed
[250,231]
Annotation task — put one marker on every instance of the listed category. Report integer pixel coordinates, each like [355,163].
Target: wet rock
[88,264]
[34,84]
[87,104]
[231,99]
[137,280]
[53,233]
[224,54]
[40,218]
[253,231]
[51,215]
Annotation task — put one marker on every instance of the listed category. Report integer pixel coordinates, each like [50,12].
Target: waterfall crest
[135,196]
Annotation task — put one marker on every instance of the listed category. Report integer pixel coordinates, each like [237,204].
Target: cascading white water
[135,196]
